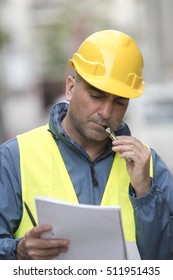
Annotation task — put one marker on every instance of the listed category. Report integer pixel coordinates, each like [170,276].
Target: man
[73,159]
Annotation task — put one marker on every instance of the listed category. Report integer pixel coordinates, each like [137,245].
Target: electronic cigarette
[110,133]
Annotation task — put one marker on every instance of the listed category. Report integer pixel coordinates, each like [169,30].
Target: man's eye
[121,103]
[95,96]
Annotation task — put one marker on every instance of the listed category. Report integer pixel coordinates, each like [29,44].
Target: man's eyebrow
[120,98]
[117,97]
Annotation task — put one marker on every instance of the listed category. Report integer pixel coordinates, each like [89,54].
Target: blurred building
[151,117]
[38,38]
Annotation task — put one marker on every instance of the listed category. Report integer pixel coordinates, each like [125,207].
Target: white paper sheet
[95,232]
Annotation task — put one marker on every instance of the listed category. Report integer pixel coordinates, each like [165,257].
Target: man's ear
[70,83]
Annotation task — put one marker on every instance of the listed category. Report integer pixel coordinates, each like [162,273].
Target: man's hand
[137,157]
[32,247]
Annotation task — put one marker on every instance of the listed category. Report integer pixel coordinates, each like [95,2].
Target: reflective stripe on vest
[43,173]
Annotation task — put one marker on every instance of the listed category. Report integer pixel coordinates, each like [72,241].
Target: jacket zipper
[94,180]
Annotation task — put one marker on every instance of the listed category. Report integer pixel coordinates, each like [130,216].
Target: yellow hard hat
[111,61]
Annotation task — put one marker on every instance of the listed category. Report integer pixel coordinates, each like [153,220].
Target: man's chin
[97,136]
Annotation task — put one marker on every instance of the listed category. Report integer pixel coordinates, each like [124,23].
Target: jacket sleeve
[154,214]
[10,199]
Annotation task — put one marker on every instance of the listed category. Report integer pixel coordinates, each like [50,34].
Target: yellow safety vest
[43,173]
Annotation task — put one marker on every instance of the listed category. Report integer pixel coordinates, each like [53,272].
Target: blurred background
[37,37]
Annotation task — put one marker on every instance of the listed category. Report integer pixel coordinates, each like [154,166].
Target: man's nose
[105,110]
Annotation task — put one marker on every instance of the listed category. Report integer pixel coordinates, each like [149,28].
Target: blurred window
[4,2]
[159,112]
[43,4]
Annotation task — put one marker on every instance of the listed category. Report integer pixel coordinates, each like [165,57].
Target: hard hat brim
[108,85]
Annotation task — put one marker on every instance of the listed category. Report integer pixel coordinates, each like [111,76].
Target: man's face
[92,110]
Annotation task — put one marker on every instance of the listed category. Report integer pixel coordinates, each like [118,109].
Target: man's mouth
[103,126]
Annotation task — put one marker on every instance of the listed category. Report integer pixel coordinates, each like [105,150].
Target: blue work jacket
[153,212]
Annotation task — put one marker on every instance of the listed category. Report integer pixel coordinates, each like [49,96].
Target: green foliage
[3,38]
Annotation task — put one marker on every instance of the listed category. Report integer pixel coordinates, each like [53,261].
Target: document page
[95,232]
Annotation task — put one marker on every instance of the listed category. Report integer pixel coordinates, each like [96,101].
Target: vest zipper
[94,180]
